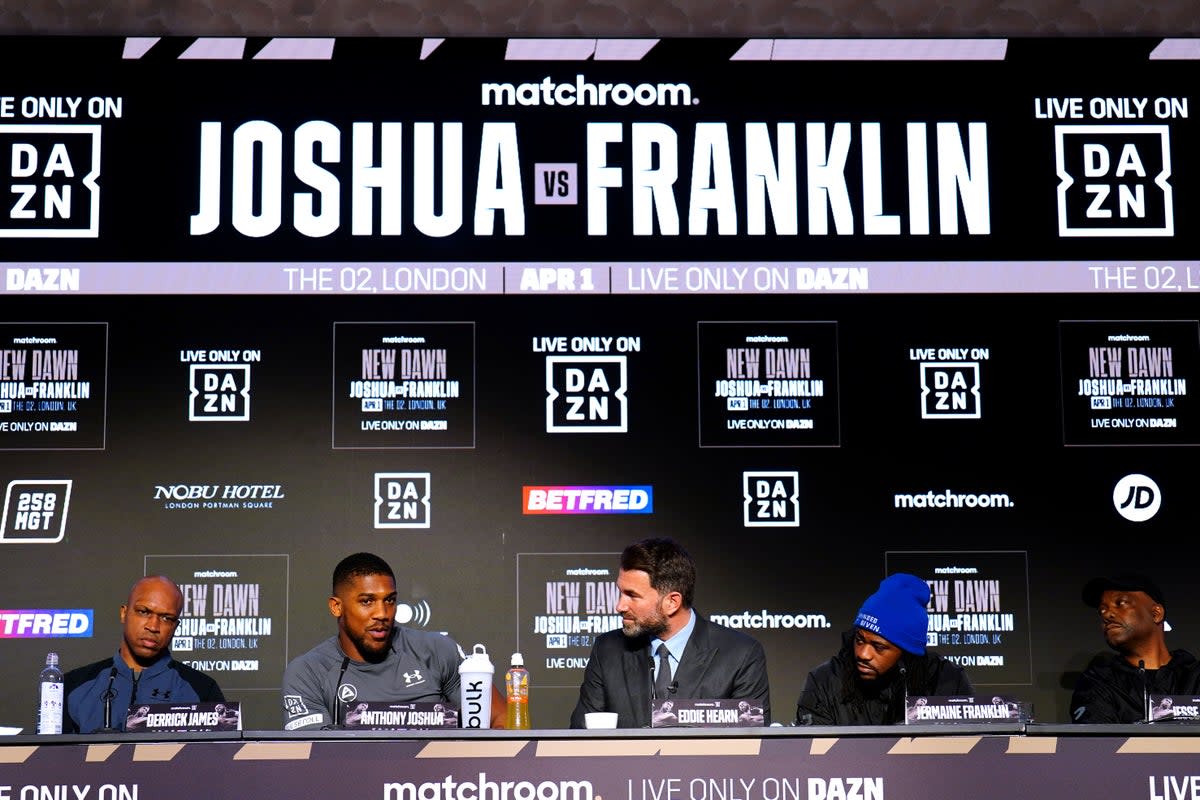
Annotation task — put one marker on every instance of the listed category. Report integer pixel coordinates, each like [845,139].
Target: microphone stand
[108,696]
[337,723]
[1145,692]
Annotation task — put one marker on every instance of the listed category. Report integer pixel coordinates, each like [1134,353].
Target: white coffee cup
[595,720]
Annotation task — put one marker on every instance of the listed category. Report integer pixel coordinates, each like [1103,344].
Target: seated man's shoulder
[733,636]
[205,685]
[1105,664]
[431,641]
[94,668]
[615,641]
[1185,671]
[828,669]
[1185,659]
[321,656]
[86,673]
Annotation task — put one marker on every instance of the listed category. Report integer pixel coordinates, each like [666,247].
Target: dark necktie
[662,683]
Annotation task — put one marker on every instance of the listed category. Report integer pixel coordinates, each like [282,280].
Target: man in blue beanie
[882,661]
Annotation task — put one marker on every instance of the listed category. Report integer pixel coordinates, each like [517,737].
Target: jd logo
[1136,497]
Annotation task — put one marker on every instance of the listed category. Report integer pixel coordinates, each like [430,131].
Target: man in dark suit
[665,649]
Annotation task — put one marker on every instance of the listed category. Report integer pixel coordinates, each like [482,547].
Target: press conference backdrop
[494,308]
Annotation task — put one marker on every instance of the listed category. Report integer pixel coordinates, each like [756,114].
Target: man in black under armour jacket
[1116,687]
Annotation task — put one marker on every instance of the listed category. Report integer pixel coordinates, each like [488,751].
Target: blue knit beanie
[897,612]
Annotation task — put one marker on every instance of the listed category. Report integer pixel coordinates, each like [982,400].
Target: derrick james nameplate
[223,716]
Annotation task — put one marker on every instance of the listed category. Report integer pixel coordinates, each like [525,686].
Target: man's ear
[335,606]
[1157,612]
[123,608]
[673,602]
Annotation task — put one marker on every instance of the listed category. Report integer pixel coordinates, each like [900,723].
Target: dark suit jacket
[718,662]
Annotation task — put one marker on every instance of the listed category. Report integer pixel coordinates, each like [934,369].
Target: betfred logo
[46,623]
[35,512]
[401,500]
[587,499]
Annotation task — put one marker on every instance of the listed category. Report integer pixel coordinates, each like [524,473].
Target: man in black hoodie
[1116,686]
[882,661]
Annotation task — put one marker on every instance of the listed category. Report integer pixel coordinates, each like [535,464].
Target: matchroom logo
[35,512]
[771,499]
[401,500]
[51,172]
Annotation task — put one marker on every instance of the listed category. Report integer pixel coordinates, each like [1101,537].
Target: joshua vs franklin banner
[293,154]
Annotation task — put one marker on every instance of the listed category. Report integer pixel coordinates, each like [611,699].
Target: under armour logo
[164,693]
[413,677]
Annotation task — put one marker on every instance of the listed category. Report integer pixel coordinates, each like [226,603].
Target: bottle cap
[51,659]
[517,660]
[478,661]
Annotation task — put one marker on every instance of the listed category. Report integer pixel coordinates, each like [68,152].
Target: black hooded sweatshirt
[835,695]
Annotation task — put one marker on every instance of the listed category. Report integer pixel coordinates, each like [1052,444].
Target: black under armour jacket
[1113,690]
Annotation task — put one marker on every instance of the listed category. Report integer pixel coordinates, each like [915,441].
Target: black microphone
[1145,691]
[653,693]
[337,725]
[108,696]
[904,683]
[673,688]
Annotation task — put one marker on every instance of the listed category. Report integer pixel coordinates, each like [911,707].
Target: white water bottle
[475,686]
[50,697]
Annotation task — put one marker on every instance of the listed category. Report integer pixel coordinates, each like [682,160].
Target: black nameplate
[922,709]
[694,713]
[185,717]
[381,716]
[1174,708]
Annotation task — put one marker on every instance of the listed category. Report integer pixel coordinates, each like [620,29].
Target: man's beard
[651,627]
[372,651]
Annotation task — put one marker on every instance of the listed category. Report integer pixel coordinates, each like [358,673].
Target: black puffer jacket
[1113,690]
[834,695]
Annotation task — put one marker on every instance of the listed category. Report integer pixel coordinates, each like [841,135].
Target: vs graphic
[555,184]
